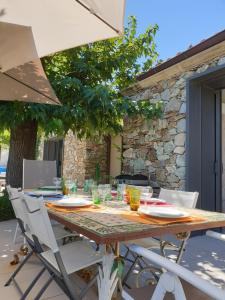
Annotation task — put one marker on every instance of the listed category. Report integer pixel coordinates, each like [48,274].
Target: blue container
[2,169]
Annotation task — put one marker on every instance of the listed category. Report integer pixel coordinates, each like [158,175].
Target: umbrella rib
[30,87]
[97,16]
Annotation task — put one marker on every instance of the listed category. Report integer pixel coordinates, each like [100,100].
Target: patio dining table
[114,222]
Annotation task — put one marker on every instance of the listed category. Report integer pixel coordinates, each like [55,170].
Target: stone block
[179,150]
[165,95]
[180,173]
[172,178]
[168,147]
[183,108]
[181,161]
[129,153]
[181,125]
[173,105]
[179,139]
[221,61]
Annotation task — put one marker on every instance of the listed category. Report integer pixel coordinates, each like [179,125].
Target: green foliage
[88,81]
[6,210]
[4,138]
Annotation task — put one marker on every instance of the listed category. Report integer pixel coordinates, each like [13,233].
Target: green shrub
[6,210]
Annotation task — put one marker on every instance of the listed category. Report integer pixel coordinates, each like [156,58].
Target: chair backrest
[37,173]
[39,222]
[15,196]
[179,198]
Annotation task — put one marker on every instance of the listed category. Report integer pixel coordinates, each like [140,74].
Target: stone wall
[157,149]
[81,157]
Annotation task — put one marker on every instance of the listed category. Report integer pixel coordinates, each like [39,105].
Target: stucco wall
[158,149]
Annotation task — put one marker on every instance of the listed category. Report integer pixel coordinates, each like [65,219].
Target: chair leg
[25,294]
[129,271]
[15,234]
[181,251]
[43,289]
[19,268]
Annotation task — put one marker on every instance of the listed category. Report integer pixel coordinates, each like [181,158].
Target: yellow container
[135,198]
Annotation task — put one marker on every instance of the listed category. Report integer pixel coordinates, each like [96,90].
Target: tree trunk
[22,145]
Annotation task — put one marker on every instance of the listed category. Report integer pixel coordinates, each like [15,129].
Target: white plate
[73,202]
[50,187]
[44,193]
[163,212]
[152,199]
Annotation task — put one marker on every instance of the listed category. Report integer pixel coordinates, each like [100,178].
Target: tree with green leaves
[89,81]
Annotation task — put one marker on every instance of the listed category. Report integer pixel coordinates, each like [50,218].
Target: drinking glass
[95,194]
[57,182]
[135,198]
[69,184]
[107,188]
[101,191]
[121,191]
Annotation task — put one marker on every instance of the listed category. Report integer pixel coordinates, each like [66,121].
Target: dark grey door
[204,137]
[208,149]
[53,150]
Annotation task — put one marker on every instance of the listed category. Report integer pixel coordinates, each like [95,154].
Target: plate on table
[156,200]
[40,193]
[49,187]
[163,212]
[73,202]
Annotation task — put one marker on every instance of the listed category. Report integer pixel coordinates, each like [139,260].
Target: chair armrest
[215,235]
[181,272]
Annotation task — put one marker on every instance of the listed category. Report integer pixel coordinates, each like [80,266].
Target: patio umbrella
[56,26]
[28,81]
[60,25]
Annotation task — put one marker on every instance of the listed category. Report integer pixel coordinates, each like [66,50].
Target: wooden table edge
[126,236]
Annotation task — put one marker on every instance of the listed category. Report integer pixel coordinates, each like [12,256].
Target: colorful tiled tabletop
[113,222]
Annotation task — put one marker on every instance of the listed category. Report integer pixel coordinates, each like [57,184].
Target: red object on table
[158,203]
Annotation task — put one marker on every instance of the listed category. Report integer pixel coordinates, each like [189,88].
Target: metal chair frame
[163,245]
[60,276]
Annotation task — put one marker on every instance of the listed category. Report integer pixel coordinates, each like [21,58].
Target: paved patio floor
[204,255]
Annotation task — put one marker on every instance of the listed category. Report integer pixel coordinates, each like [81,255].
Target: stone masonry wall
[74,158]
[157,149]
[81,157]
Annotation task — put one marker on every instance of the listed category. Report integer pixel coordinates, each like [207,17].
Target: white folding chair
[37,173]
[60,261]
[15,196]
[178,198]
[169,282]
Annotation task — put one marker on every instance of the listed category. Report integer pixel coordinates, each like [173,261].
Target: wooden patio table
[110,225]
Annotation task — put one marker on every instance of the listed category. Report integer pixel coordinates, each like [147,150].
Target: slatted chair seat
[84,256]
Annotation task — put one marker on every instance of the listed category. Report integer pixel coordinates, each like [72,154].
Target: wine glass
[57,182]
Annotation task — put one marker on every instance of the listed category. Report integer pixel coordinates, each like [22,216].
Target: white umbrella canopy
[26,82]
[56,26]
[60,25]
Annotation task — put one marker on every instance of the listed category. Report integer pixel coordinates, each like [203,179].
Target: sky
[181,22]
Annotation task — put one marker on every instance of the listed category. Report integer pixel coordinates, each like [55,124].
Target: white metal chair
[170,282]
[60,261]
[178,198]
[37,173]
[15,197]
